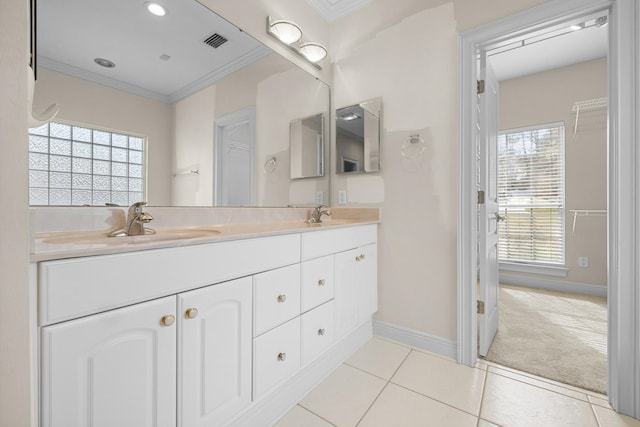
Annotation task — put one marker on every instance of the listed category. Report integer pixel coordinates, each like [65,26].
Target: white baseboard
[553,285]
[269,408]
[416,339]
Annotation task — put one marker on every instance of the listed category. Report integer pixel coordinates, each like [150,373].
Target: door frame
[246,114]
[623,246]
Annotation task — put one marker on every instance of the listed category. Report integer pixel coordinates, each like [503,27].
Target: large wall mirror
[214,106]
[358,137]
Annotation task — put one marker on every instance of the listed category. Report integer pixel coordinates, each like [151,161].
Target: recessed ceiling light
[104,62]
[155,8]
[576,27]
[601,21]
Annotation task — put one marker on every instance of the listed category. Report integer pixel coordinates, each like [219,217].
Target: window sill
[548,270]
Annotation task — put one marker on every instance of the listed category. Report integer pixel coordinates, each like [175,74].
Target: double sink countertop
[60,233]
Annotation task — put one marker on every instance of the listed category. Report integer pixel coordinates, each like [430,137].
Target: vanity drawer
[317,283]
[276,298]
[325,242]
[276,356]
[317,331]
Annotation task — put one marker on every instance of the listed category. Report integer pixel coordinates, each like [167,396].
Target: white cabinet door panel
[112,369]
[346,292]
[368,281]
[214,353]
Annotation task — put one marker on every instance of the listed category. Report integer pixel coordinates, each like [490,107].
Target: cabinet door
[367,271]
[214,353]
[346,292]
[112,369]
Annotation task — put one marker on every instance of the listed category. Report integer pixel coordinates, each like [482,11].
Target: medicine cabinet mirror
[358,131]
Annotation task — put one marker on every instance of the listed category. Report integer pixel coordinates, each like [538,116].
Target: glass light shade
[286,31]
[314,52]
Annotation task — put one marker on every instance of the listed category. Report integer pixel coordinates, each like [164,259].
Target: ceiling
[71,33]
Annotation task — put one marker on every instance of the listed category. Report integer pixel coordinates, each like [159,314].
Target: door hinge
[480,86]
[481,197]
[480,307]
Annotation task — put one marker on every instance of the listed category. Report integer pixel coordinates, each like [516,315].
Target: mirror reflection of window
[358,137]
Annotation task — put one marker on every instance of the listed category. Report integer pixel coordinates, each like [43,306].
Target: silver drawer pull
[360,257]
[321,282]
[282,356]
[321,332]
[282,298]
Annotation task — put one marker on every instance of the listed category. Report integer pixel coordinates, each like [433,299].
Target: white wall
[15,351]
[548,97]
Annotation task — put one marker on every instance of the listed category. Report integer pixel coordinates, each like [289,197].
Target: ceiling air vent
[215,40]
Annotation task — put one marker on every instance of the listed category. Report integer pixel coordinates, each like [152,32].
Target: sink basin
[100,238]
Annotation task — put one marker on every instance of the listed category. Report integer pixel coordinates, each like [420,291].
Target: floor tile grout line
[319,416]
[434,399]
[546,380]
[484,389]
[542,388]
[593,411]
[372,403]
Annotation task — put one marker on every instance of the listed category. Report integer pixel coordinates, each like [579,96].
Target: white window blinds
[531,194]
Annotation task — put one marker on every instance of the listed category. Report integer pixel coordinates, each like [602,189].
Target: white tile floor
[392,385]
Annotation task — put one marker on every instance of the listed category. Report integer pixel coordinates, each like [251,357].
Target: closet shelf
[587,105]
[585,212]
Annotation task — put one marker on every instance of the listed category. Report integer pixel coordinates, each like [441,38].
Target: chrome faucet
[136,219]
[316,214]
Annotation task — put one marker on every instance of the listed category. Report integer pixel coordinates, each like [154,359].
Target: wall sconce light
[290,34]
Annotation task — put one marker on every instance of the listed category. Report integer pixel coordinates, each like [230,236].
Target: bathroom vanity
[228,329]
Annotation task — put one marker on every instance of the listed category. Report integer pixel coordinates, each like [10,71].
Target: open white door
[235,140]
[488,206]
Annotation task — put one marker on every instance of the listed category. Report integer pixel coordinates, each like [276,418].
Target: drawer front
[276,356]
[317,331]
[325,242]
[80,286]
[317,284]
[276,298]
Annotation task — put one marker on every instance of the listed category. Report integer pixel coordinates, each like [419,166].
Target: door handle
[499,218]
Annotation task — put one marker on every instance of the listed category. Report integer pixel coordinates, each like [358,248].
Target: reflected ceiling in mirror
[358,130]
[170,84]
[160,57]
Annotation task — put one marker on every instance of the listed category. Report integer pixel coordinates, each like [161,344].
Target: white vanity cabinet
[205,335]
[214,353]
[111,369]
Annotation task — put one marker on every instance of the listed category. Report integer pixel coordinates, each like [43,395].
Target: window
[531,194]
[74,165]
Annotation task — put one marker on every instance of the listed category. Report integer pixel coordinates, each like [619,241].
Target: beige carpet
[554,335]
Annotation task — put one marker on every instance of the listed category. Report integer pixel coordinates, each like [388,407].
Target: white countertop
[61,245]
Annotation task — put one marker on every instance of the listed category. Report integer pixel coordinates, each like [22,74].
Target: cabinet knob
[191,313]
[282,298]
[168,320]
[321,332]
[321,282]
[360,257]
[282,356]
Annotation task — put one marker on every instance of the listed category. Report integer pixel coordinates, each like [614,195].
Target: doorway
[551,150]
[235,141]
[622,251]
